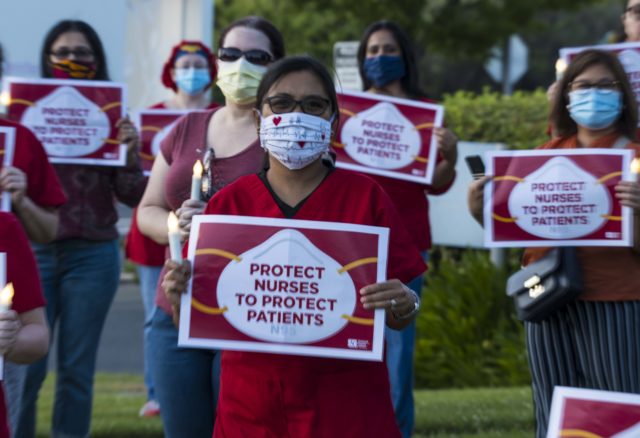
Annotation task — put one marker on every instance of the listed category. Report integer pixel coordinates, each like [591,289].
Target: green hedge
[519,120]
[468,335]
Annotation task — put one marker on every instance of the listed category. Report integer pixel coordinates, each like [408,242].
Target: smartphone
[476,166]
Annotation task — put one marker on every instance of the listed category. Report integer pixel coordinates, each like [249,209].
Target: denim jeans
[399,356]
[79,279]
[186,381]
[148,276]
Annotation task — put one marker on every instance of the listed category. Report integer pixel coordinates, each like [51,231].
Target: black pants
[588,344]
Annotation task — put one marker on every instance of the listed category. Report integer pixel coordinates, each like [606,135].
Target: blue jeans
[186,381]
[79,279]
[148,276]
[400,348]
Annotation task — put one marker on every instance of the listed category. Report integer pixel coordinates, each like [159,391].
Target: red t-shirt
[410,199]
[23,273]
[43,187]
[186,143]
[363,407]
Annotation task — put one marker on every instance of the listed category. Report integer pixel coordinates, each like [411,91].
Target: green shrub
[519,120]
[468,335]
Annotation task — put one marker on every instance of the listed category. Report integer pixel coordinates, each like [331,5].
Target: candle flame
[172,223]
[5,98]
[635,166]
[197,169]
[561,65]
[6,296]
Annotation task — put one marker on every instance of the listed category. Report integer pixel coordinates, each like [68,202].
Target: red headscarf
[186,47]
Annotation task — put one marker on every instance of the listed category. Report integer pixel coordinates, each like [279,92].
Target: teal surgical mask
[595,108]
[192,80]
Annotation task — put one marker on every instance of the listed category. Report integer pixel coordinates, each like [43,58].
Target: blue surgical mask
[595,108]
[192,80]
[384,69]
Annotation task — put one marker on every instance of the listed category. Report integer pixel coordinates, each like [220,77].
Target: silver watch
[413,311]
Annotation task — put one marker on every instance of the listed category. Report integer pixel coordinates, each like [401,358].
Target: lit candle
[6,297]
[561,66]
[195,181]
[635,169]
[175,247]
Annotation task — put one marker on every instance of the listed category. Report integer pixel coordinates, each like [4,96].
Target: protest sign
[387,136]
[627,53]
[581,413]
[7,149]
[556,197]
[153,126]
[283,286]
[75,120]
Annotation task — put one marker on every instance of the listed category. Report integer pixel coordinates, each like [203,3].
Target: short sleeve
[22,270]
[43,186]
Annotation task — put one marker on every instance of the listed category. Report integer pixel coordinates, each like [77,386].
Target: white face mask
[239,80]
[295,139]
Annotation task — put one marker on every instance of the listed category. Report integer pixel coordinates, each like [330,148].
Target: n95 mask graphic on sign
[295,139]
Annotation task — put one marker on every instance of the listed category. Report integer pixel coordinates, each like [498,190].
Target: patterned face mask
[295,139]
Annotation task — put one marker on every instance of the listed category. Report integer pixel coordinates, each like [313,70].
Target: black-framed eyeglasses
[586,85]
[635,10]
[78,53]
[255,56]
[314,105]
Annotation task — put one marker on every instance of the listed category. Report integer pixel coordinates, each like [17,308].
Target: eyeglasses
[255,56]
[314,105]
[602,85]
[635,10]
[78,53]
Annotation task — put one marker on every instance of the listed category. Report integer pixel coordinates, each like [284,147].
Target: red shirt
[410,199]
[185,144]
[330,397]
[43,187]
[23,273]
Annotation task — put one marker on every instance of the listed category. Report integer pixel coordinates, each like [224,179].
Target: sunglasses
[255,56]
[314,105]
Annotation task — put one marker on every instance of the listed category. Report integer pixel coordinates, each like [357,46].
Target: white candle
[196,181]
[635,169]
[6,297]
[175,246]
[561,66]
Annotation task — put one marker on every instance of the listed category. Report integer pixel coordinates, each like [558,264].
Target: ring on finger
[393,302]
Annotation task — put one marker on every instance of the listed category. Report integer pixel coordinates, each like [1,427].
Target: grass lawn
[460,413]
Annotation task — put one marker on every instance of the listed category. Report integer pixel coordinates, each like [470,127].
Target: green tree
[459,28]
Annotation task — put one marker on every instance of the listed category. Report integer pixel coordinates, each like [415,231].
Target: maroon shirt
[186,143]
[90,212]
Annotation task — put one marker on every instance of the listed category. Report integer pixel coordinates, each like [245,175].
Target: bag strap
[621,142]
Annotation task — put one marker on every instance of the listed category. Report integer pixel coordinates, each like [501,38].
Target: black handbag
[545,286]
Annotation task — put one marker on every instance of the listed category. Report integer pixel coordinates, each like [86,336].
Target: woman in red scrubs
[270,395]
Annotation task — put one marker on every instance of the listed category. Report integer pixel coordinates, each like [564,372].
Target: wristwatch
[416,306]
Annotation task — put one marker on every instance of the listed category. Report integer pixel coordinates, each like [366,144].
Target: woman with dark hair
[273,395]
[80,269]
[189,71]
[387,64]
[595,108]
[225,140]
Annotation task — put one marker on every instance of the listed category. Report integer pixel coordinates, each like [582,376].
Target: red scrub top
[268,395]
